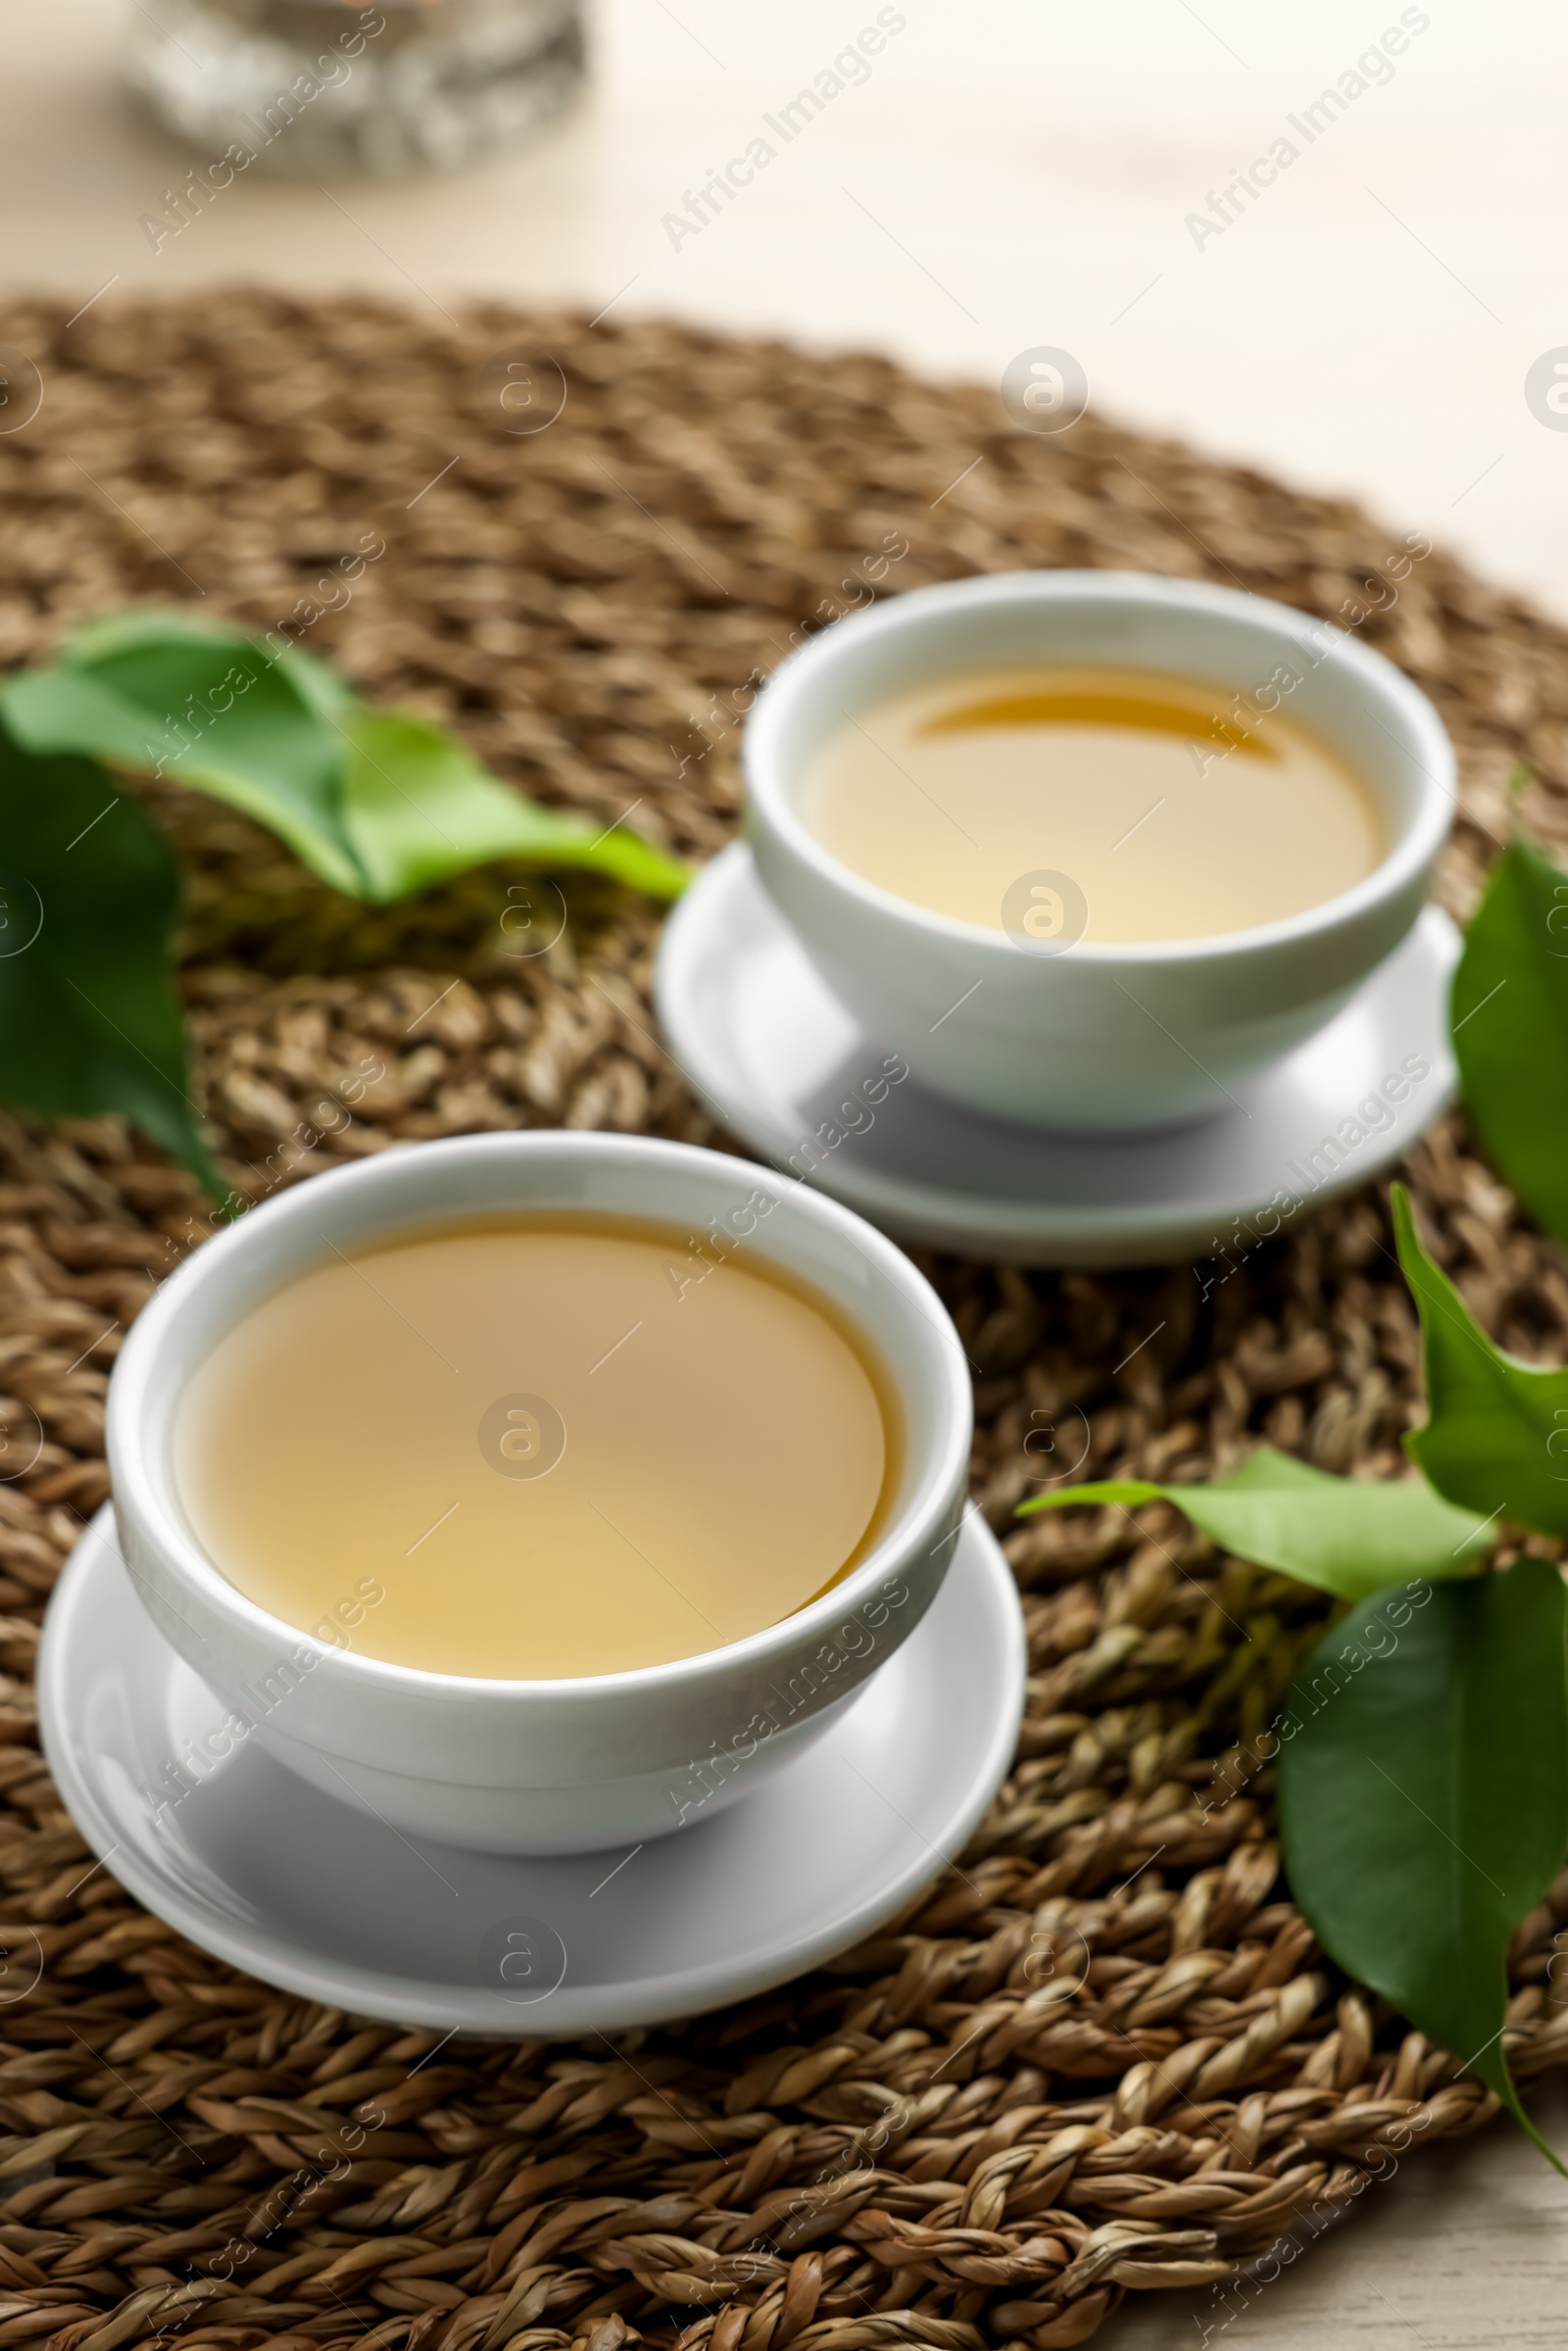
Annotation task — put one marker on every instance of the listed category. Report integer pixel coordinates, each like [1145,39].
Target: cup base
[538,1822]
[785,1065]
[309,1891]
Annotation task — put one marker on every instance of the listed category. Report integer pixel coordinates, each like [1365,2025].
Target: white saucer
[316,1896]
[776,1058]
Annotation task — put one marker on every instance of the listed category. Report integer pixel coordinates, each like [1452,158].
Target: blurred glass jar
[317,89]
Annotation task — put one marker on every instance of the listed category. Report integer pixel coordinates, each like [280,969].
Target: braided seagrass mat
[923,2143]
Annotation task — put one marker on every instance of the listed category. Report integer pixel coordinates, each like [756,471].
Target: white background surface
[1464,2249]
[1016,173]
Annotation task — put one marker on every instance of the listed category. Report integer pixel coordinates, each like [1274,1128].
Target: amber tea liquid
[1178,810]
[554,1445]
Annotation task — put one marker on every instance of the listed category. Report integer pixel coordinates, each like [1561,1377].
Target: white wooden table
[1464,2248]
[1013,174]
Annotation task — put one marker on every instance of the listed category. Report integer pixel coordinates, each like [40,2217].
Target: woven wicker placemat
[921,2145]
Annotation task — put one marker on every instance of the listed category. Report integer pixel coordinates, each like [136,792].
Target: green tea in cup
[1177,808]
[539,1447]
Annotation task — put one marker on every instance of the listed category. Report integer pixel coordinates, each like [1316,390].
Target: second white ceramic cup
[1096,1037]
[547,1766]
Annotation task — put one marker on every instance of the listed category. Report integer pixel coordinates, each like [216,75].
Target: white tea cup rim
[805,674]
[140,1422]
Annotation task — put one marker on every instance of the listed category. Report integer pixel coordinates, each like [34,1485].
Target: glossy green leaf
[419,807]
[140,631]
[378,804]
[1497,1434]
[1510,1029]
[1422,1789]
[210,710]
[1347,1536]
[89,1015]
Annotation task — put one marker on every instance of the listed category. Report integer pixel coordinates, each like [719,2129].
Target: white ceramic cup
[547,1766]
[1095,1037]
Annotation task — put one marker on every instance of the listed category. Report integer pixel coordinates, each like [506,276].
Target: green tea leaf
[144,631]
[90,1016]
[379,805]
[419,809]
[1510,1029]
[1497,1433]
[1423,1787]
[1347,1536]
[213,711]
